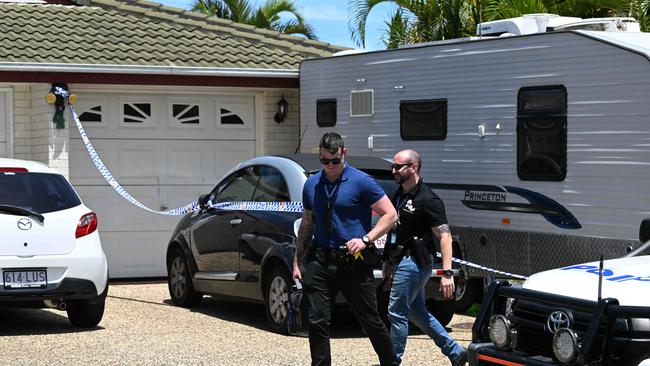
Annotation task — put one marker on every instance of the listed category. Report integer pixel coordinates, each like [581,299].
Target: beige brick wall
[281,138]
[22,118]
[34,135]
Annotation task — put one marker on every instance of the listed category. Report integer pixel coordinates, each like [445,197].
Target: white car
[50,252]
[586,314]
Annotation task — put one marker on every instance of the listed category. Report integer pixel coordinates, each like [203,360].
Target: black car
[246,250]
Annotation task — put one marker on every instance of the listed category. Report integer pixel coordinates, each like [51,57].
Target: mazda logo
[558,319]
[24,224]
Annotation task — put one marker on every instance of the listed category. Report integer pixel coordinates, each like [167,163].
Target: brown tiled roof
[143,33]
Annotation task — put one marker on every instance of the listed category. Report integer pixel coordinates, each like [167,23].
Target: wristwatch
[366,240]
[448,273]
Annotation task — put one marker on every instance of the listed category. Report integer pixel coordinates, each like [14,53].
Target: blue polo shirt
[352,195]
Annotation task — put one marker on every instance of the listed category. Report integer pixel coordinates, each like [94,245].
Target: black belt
[328,256]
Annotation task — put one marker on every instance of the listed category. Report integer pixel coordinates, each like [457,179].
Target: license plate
[25,279]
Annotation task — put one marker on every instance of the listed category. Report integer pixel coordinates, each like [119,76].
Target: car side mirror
[644,230]
[203,200]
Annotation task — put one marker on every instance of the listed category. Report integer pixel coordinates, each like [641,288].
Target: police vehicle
[596,313]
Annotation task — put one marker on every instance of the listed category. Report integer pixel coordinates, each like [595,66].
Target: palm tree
[417,20]
[640,10]
[266,16]
[431,20]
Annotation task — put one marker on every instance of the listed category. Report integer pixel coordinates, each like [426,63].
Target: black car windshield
[38,192]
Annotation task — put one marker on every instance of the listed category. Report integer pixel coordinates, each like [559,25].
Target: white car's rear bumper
[82,273]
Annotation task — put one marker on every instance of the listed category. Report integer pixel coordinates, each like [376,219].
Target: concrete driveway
[141,327]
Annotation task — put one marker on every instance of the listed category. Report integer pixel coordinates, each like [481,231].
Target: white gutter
[149,70]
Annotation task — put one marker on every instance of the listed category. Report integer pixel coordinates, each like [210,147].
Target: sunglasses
[399,166]
[335,161]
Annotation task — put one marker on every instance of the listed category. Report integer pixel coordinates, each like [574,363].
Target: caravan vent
[362,103]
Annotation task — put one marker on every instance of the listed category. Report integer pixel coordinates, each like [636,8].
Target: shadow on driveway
[36,321]
[344,325]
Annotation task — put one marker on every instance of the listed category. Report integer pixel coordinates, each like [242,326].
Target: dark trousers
[321,282]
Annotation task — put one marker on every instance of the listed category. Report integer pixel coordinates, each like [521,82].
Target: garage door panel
[163,162]
[116,213]
[135,254]
[229,153]
[215,117]
[135,163]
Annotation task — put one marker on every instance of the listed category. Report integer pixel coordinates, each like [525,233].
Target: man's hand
[447,287]
[355,245]
[297,275]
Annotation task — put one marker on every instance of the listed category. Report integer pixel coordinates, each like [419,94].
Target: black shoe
[461,360]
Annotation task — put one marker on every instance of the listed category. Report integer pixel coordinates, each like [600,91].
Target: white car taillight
[87,225]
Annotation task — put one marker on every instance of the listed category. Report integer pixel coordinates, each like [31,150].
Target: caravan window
[542,133]
[326,112]
[423,119]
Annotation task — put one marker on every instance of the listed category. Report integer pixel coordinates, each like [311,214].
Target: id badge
[392,238]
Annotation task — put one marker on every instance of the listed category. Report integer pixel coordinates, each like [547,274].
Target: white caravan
[537,142]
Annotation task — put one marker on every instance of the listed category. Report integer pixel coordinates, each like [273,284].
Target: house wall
[281,138]
[34,135]
[22,127]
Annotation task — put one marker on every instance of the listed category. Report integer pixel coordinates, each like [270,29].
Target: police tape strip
[103,170]
[483,268]
[190,207]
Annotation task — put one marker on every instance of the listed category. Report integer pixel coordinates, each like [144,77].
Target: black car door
[264,229]
[215,233]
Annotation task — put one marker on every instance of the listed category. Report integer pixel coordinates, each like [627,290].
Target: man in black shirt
[409,250]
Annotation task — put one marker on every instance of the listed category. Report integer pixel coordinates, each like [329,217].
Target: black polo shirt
[419,210]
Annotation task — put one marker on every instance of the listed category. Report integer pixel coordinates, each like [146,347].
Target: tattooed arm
[443,234]
[305,233]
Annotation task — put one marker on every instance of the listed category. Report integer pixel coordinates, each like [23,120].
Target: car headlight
[501,333]
[565,345]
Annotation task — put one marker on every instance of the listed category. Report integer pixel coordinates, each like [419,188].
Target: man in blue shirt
[338,204]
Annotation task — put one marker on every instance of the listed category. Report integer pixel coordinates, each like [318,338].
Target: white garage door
[4,118]
[163,149]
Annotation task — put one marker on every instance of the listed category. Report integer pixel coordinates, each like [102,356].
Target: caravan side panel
[608,141]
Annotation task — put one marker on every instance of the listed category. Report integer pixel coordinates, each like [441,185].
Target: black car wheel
[87,313]
[84,314]
[179,281]
[276,299]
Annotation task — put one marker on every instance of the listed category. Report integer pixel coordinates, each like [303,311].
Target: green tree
[266,16]
[640,10]
[431,20]
[415,20]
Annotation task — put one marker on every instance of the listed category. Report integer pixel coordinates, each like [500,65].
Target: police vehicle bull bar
[515,327]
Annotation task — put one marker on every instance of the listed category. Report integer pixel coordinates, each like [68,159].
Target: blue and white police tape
[103,170]
[483,268]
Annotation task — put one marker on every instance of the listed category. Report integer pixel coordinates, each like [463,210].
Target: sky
[330,20]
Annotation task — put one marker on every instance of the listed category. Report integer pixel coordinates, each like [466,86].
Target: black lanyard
[329,207]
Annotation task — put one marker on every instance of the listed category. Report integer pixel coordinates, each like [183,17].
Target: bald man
[421,217]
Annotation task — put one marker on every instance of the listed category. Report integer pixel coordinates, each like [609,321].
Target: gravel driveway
[140,327]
